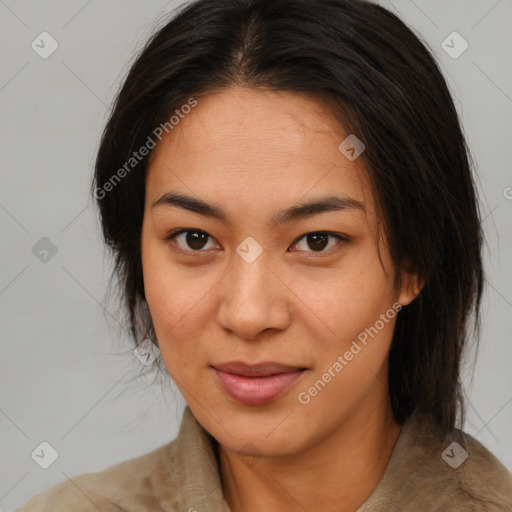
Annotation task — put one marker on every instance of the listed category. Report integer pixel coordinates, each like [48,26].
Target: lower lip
[256,390]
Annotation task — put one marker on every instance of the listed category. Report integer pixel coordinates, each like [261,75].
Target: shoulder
[171,477]
[484,479]
[122,487]
[450,473]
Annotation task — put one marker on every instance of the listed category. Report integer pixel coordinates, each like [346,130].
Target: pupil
[317,241]
[196,239]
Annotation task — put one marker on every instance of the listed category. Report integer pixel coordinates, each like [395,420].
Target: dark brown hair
[363,59]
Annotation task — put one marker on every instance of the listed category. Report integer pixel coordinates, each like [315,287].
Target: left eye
[318,241]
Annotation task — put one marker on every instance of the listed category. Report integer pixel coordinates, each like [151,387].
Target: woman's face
[276,339]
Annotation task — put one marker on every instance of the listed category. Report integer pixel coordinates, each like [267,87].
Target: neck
[337,474]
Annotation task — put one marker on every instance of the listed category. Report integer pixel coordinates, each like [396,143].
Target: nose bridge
[251,275]
[251,279]
[252,299]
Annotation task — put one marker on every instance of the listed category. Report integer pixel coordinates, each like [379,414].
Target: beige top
[183,476]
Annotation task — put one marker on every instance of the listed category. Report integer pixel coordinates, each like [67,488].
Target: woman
[286,190]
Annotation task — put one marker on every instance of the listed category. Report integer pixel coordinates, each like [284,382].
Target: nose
[253,299]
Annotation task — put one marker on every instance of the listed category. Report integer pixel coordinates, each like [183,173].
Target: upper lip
[256,370]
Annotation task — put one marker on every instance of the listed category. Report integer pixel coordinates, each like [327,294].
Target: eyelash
[198,252]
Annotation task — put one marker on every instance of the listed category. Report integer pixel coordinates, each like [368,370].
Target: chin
[269,430]
[258,444]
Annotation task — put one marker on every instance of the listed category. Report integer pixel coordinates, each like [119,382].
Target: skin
[254,153]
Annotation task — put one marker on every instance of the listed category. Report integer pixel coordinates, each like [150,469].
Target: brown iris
[196,239]
[317,241]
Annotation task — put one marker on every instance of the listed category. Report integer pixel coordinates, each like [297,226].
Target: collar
[417,469]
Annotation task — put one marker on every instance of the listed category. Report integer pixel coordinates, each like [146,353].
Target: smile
[256,384]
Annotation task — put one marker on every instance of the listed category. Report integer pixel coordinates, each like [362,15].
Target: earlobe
[411,286]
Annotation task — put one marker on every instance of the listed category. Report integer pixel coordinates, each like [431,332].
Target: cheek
[349,358]
[348,364]
[350,299]
[178,301]
[165,293]
[156,274]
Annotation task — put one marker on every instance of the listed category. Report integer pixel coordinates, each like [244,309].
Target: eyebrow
[302,210]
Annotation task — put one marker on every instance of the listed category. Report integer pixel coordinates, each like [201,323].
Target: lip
[256,384]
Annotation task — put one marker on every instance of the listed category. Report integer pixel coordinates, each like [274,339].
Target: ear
[411,285]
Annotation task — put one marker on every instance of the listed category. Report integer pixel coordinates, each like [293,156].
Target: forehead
[251,147]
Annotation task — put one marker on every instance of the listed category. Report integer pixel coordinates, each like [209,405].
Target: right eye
[190,240]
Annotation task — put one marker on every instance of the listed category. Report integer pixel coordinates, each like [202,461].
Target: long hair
[383,83]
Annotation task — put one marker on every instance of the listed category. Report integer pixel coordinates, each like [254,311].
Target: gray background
[67,374]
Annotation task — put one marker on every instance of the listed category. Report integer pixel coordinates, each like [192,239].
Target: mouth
[256,384]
